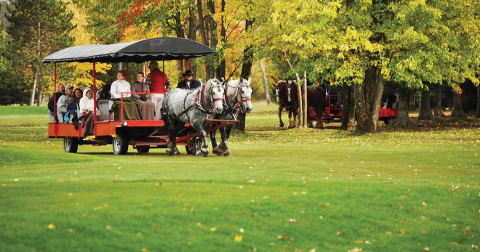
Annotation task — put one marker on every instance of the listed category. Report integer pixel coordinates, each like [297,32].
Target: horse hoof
[281,125]
[217,151]
[227,153]
[204,153]
[169,152]
[177,153]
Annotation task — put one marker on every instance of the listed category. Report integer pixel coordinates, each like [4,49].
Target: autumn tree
[364,43]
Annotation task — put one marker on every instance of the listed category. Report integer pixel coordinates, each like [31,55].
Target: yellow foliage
[83,71]
[238,238]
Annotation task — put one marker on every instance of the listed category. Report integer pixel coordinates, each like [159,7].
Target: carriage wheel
[120,144]
[70,145]
[143,149]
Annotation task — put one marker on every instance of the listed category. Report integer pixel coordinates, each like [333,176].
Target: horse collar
[203,96]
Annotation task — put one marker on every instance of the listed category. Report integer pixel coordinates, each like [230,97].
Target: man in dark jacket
[51,106]
[188,82]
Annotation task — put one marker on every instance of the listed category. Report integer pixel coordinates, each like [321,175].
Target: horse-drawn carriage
[329,106]
[142,134]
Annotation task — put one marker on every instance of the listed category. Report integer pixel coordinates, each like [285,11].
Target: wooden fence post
[300,102]
[305,114]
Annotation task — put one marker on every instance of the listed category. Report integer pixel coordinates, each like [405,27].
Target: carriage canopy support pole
[55,99]
[181,64]
[94,99]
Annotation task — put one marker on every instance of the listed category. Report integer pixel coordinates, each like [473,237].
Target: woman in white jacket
[120,88]
[87,106]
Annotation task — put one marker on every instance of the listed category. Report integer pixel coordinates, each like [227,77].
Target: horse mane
[234,84]
[281,84]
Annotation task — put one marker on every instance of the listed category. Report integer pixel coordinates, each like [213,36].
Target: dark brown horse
[281,91]
[316,99]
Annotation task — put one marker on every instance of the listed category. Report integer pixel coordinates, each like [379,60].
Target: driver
[188,82]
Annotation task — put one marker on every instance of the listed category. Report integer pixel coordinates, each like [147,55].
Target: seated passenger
[118,87]
[86,112]
[72,107]
[54,99]
[188,82]
[62,104]
[104,94]
[145,107]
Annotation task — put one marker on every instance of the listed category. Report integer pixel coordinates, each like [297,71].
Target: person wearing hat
[188,82]
[63,103]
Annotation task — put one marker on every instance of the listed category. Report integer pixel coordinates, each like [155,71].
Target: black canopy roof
[164,48]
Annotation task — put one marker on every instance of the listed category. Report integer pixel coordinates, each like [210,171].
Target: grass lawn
[283,190]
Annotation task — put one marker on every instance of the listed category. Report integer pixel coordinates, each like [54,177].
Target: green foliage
[412,41]
[24,18]
[11,89]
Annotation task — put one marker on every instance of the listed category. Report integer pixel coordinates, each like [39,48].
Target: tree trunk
[34,86]
[221,70]
[192,28]
[402,120]
[192,34]
[204,31]
[457,111]
[201,23]
[265,84]
[478,102]
[212,25]
[425,112]
[438,110]
[246,72]
[40,85]
[178,23]
[37,71]
[348,115]
[368,98]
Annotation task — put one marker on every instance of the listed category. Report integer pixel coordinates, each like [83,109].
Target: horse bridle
[200,102]
[240,98]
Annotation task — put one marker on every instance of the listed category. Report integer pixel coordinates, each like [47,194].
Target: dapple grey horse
[195,107]
[238,96]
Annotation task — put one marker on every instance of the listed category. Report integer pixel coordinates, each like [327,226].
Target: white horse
[238,96]
[195,107]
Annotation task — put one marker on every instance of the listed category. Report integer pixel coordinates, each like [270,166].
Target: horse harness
[226,102]
[199,102]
